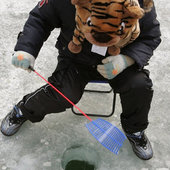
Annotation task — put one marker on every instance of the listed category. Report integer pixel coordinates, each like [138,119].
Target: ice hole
[80,157]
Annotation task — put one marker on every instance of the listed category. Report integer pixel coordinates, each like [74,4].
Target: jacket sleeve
[42,20]
[142,48]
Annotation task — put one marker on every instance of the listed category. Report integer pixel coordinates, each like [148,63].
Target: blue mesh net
[107,134]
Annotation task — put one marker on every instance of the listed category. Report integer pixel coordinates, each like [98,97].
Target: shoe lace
[139,139]
[15,117]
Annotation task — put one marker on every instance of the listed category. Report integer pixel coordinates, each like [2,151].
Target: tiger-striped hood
[109,22]
[106,23]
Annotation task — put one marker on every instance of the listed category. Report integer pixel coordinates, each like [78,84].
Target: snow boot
[140,144]
[12,122]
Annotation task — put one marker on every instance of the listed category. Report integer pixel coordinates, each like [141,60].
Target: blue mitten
[113,65]
[23,60]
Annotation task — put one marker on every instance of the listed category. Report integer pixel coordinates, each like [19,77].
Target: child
[74,71]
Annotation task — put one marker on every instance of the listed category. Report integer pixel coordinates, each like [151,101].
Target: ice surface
[41,145]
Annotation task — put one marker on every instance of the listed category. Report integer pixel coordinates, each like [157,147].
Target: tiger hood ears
[147,4]
[132,8]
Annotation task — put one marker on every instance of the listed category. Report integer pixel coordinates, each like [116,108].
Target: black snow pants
[134,87]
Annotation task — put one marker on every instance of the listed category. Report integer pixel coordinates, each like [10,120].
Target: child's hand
[23,60]
[113,65]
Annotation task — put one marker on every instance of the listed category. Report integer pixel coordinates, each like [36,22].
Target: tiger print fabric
[109,23]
